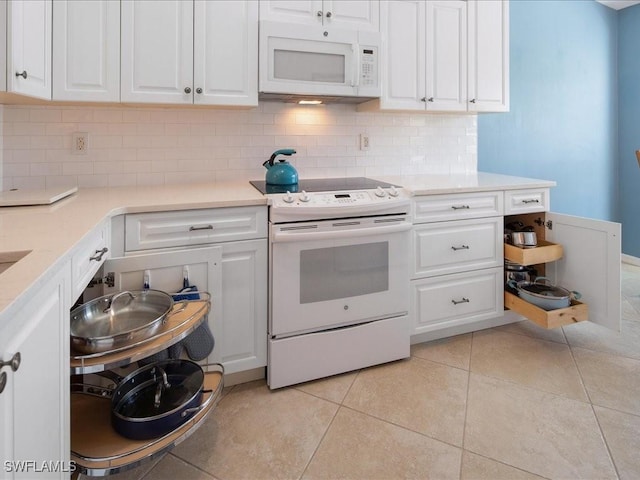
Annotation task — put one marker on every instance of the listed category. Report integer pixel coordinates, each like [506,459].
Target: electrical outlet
[80,143]
[364,141]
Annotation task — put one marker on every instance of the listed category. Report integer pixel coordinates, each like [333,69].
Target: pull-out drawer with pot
[144,231]
[545,252]
[459,206]
[89,256]
[526,201]
[450,247]
[457,299]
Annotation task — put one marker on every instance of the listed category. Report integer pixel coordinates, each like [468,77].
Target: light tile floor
[514,402]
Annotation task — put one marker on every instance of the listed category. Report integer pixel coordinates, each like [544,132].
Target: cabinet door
[488,30]
[352,14]
[86,50]
[29,48]
[226,52]
[292,11]
[403,54]
[446,83]
[34,406]
[157,51]
[590,265]
[244,306]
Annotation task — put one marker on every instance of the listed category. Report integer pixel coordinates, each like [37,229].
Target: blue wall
[629,127]
[563,120]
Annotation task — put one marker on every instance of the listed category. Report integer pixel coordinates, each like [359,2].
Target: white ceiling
[618,4]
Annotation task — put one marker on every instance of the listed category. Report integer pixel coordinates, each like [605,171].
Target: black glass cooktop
[322,185]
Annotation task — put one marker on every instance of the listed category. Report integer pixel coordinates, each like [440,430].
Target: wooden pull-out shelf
[98,450]
[543,253]
[177,326]
[576,312]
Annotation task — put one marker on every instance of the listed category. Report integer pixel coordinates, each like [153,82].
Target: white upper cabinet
[226,52]
[345,14]
[403,28]
[488,30]
[29,47]
[446,74]
[86,50]
[190,52]
[157,51]
[444,55]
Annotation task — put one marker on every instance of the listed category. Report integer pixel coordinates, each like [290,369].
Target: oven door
[333,273]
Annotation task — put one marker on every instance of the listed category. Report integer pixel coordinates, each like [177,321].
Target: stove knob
[304,196]
[288,198]
[393,192]
[380,192]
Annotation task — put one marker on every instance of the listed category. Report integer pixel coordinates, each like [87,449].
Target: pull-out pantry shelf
[178,325]
[98,450]
[576,312]
[544,252]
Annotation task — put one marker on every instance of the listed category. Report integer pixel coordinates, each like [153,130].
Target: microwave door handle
[355,78]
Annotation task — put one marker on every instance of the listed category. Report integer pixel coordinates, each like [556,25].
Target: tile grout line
[340,405]
[466,408]
[595,416]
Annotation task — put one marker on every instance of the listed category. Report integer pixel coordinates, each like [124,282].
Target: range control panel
[335,199]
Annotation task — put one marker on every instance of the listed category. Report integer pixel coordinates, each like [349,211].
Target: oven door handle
[311,235]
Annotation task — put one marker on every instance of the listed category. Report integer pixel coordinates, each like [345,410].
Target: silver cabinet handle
[535,200]
[430,99]
[22,74]
[198,90]
[462,247]
[423,99]
[187,89]
[460,207]
[99,254]
[207,227]
[473,100]
[14,363]
[328,14]
[319,14]
[3,381]
[458,302]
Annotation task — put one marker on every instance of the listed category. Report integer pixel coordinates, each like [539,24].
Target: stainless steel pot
[524,239]
[157,398]
[518,273]
[544,295]
[112,321]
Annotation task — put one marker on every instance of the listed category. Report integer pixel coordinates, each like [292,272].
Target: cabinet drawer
[438,208]
[450,247]
[524,201]
[543,253]
[450,300]
[145,231]
[576,312]
[89,256]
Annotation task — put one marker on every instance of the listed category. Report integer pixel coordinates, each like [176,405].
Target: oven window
[341,272]
[309,66]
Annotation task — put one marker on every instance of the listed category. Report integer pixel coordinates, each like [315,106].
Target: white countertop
[473,182]
[51,232]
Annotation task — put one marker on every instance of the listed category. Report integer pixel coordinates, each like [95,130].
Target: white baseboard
[631,260]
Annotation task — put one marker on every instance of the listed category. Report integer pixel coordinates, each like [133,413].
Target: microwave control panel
[369,66]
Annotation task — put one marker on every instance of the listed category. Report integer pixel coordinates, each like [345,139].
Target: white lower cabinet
[457,263]
[233,272]
[34,403]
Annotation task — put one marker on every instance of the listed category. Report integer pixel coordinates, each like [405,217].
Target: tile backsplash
[148,145]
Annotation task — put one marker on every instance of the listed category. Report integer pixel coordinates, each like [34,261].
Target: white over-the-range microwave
[298,61]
